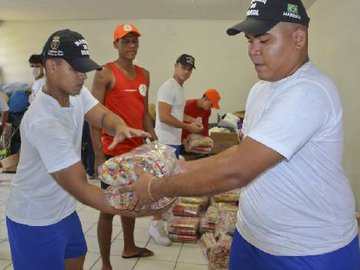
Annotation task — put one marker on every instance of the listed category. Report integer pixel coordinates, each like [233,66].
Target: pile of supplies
[210,219]
[183,226]
[216,240]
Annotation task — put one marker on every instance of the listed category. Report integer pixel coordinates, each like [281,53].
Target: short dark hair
[36,59]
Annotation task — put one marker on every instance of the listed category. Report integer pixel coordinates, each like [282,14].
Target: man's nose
[254,48]
[82,75]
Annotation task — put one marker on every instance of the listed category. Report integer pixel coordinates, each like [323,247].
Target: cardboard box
[223,140]
[240,114]
[9,163]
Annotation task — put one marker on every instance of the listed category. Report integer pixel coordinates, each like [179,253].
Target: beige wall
[221,61]
[334,47]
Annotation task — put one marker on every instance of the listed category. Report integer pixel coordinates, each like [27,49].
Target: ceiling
[33,10]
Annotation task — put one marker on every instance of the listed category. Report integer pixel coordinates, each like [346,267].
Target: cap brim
[187,65]
[215,105]
[134,32]
[251,26]
[84,64]
[126,33]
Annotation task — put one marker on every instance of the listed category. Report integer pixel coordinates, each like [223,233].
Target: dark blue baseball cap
[72,47]
[263,15]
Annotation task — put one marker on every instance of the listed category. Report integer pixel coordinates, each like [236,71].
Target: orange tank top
[127,99]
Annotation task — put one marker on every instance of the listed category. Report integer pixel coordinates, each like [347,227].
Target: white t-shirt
[172,93]
[36,87]
[304,205]
[51,141]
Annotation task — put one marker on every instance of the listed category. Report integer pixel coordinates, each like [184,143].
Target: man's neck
[181,82]
[63,100]
[198,103]
[126,66]
[39,77]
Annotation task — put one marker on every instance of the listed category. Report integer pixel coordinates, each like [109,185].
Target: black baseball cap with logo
[186,60]
[72,47]
[263,15]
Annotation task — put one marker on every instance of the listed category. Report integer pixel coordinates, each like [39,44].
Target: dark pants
[15,120]
[87,151]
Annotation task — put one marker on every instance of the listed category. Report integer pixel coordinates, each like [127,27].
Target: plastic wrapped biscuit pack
[155,158]
[199,144]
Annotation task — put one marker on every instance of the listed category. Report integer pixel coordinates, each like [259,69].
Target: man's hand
[141,191]
[195,127]
[125,132]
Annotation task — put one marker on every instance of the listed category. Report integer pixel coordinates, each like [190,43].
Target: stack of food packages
[218,226]
[184,224]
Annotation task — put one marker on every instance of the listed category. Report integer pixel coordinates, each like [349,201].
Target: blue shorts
[46,247]
[177,150]
[244,256]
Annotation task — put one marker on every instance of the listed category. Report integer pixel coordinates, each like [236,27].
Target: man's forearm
[148,126]
[188,118]
[172,121]
[216,175]
[111,122]
[95,134]
[233,168]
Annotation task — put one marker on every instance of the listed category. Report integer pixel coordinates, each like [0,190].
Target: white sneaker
[158,233]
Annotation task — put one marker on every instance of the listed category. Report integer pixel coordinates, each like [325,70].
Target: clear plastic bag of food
[228,196]
[219,254]
[198,143]
[226,224]
[212,214]
[205,226]
[203,201]
[183,238]
[183,225]
[186,209]
[207,243]
[155,158]
[120,201]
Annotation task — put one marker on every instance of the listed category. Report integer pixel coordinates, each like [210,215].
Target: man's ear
[115,44]
[300,38]
[50,65]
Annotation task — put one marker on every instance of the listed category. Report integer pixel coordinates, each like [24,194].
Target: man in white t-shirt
[43,226]
[37,68]
[296,209]
[169,122]
[170,117]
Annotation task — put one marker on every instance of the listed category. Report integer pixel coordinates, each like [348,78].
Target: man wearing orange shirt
[201,108]
[123,88]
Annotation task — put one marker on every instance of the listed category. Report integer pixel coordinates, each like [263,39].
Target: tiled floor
[178,256]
